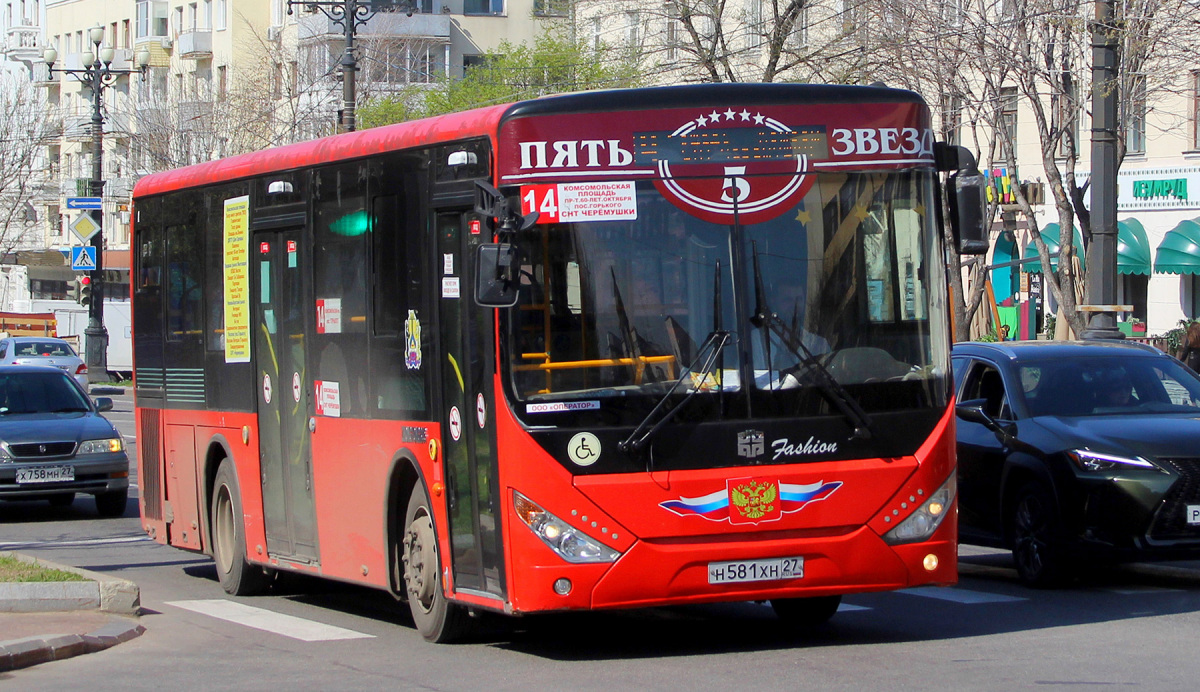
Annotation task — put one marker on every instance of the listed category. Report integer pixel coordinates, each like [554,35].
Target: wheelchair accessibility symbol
[584,449]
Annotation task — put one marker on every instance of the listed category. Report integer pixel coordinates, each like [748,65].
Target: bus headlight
[921,524]
[569,543]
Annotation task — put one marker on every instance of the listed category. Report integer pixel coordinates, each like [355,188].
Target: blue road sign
[83,258]
[85,203]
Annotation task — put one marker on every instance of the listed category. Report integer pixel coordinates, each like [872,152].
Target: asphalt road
[1134,626]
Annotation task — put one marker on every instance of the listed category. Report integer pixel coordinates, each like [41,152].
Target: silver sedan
[44,350]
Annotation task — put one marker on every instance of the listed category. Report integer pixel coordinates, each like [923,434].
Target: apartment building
[223,76]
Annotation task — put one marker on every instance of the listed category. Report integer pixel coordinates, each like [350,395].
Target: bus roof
[486,122]
[350,145]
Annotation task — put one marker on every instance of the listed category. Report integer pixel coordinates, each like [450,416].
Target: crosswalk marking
[964,596]
[268,621]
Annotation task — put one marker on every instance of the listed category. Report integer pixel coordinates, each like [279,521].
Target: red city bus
[601,350]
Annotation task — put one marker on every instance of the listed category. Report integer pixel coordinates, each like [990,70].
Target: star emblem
[745,115]
[714,116]
[729,114]
[702,121]
[803,216]
[758,118]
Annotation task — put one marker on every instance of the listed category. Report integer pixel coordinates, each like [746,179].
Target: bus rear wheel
[436,618]
[237,577]
[806,612]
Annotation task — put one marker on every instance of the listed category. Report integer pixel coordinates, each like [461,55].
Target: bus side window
[402,330]
[339,258]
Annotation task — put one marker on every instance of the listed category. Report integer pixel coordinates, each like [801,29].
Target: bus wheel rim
[420,561]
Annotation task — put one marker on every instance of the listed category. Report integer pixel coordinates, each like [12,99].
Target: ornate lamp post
[97,73]
[350,15]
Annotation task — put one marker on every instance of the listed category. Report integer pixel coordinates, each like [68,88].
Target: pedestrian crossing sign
[83,258]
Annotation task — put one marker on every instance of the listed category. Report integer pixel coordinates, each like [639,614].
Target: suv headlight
[1088,460]
[569,543]
[921,524]
[5,455]
[112,444]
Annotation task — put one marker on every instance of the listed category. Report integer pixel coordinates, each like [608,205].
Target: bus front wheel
[237,576]
[436,618]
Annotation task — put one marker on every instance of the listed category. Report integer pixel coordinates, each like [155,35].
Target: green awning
[1133,249]
[1050,236]
[1179,252]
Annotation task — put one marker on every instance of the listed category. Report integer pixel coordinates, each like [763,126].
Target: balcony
[40,74]
[120,188]
[23,43]
[195,44]
[317,26]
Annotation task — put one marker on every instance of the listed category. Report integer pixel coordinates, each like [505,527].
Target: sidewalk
[42,622]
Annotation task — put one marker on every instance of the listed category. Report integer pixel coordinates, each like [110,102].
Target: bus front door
[469,437]
[285,452]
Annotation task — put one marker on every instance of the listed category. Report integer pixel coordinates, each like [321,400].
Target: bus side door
[469,438]
[281,297]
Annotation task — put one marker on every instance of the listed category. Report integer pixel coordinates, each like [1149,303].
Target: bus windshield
[615,313]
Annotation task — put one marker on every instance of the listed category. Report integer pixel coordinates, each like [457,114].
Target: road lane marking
[60,544]
[268,621]
[963,596]
[1142,590]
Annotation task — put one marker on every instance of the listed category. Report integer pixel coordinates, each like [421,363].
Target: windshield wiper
[833,390]
[710,353]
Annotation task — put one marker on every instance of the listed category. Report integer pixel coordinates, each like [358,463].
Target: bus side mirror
[496,279]
[966,196]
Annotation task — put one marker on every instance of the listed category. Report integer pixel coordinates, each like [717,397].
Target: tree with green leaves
[511,72]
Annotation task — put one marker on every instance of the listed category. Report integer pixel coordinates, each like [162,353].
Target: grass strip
[13,570]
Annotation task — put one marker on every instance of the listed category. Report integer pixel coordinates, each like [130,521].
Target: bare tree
[734,40]
[278,93]
[1000,57]
[27,126]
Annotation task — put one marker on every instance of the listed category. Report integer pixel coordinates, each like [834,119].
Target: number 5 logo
[735,182]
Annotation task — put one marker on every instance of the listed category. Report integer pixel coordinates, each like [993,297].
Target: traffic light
[76,289]
[83,285]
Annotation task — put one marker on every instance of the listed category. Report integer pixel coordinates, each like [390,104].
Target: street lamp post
[1102,251]
[350,15]
[97,73]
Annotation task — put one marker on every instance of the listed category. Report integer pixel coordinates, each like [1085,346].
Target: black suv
[1070,451]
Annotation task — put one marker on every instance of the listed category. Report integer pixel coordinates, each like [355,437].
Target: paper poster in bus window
[236,231]
[329,398]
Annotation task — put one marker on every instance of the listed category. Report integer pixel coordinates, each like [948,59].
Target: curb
[104,593]
[22,653]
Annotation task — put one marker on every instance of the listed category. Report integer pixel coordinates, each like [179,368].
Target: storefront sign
[1151,189]
[1175,188]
